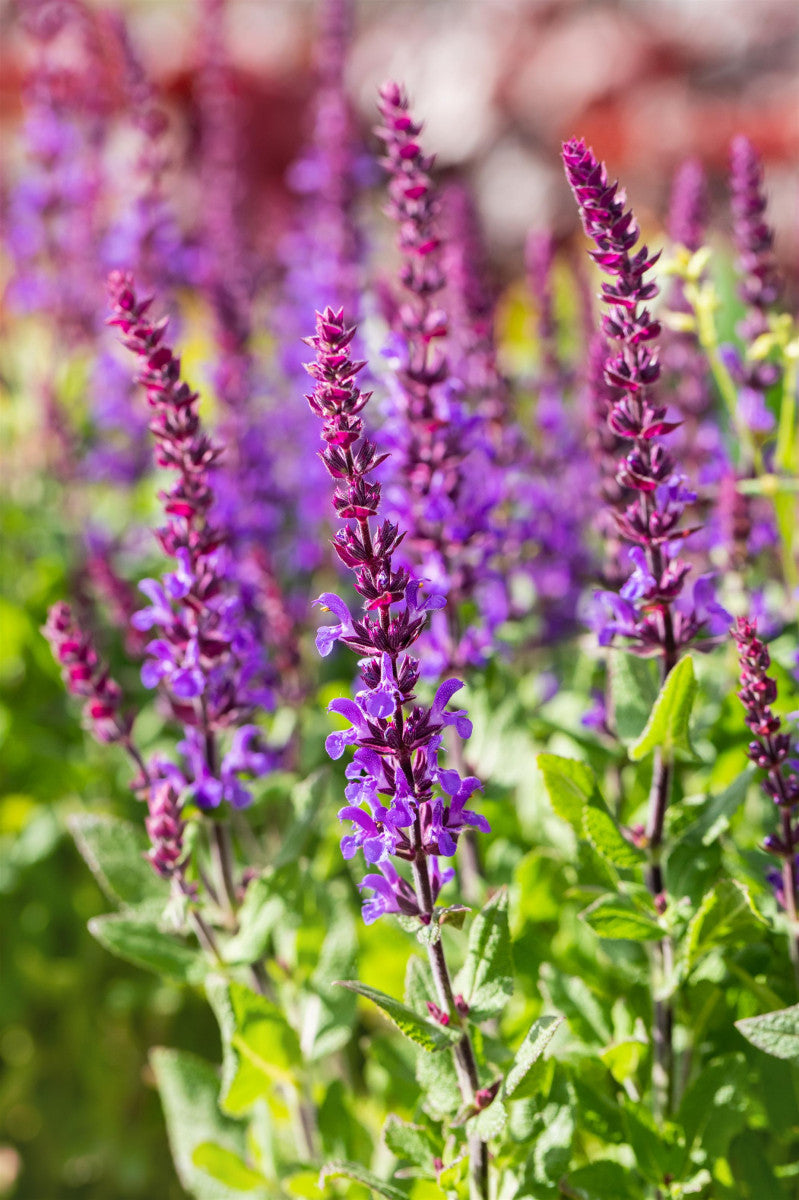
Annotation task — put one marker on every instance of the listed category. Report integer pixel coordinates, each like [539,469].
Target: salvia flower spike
[653,610]
[403,803]
[204,658]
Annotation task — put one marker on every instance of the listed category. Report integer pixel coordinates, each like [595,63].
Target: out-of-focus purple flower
[403,803]
[165,827]
[688,205]
[753,237]
[442,481]
[86,676]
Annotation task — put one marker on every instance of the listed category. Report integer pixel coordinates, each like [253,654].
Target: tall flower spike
[403,803]
[86,676]
[443,485]
[205,659]
[652,612]
[771,750]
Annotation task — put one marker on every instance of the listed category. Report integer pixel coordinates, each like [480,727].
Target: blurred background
[499,84]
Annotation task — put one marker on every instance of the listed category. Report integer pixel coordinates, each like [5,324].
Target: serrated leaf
[667,727]
[424,1033]
[189,1087]
[619,917]
[633,692]
[359,1174]
[225,1166]
[569,784]
[141,942]
[776,1033]
[412,1142]
[601,830]
[535,1042]
[726,913]
[114,853]
[486,979]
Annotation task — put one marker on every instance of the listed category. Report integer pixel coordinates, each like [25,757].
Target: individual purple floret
[773,751]
[653,611]
[204,658]
[442,483]
[403,803]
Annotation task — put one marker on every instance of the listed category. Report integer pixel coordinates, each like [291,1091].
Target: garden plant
[438,757]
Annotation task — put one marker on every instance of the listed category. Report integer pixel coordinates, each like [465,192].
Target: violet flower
[204,658]
[402,802]
[647,612]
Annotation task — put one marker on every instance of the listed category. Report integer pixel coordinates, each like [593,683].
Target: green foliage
[139,940]
[427,1034]
[486,980]
[667,726]
[776,1033]
[621,917]
[535,1042]
[114,852]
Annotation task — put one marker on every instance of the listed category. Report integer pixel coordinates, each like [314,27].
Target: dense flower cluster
[653,611]
[403,803]
[205,658]
[771,750]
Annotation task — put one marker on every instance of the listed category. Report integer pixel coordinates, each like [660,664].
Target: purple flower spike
[646,614]
[206,660]
[402,803]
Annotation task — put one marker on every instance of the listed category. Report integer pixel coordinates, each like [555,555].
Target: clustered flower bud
[165,828]
[402,802]
[770,751]
[87,676]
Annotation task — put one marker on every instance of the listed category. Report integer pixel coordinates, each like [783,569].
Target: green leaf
[535,1042]
[587,1015]
[569,784]
[260,1047]
[715,811]
[490,1122]
[359,1174]
[486,979]
[418,984]
[225,1166]
[308,797]
[189,1088]
[114,852]
[601,830]
[633,692]
[257,917]
[776,1033]
[412,1142]
[141,942]
[328,1013]
[601,1180]
[552,1148]
[438,1083]
[667,727]
[619,917]
[424,1033]
[725,915]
